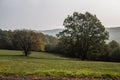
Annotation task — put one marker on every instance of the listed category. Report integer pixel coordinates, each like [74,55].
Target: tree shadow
[30,57]
[49,58]
[10,55]
[13,56]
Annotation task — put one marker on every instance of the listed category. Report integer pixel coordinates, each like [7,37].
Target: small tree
[26,40]
[83,34]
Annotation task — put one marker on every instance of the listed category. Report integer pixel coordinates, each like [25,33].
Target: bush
[115,54]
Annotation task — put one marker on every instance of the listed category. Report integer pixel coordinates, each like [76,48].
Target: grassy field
[44,64]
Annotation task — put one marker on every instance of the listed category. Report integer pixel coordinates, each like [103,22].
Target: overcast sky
[50,14]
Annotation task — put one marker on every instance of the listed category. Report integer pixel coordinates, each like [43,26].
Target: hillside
[51,32]
[113,33]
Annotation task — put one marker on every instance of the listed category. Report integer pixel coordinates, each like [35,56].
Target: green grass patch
[45,64]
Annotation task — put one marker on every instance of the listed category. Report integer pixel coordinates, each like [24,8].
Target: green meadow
[46,64]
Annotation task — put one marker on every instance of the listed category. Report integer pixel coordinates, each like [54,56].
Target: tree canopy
[27,40]
[83,34]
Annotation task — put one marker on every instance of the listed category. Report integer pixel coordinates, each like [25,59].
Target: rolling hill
[51,32]
[114,33]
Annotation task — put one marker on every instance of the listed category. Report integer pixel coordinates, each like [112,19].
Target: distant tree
[51,43]
[26,40]
[114,50]
[115,55]
[39,45]
[83,35]
[113,44]
[5,39]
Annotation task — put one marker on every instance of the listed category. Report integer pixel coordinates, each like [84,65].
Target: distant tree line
[5,39]
[26,40]
[84,37]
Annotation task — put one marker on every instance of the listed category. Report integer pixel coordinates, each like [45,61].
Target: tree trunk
[25,53]
[83,55]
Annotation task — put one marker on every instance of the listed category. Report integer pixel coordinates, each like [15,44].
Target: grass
[44,64]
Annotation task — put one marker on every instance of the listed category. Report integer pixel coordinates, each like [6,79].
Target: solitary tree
[26,40]
[83,34]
